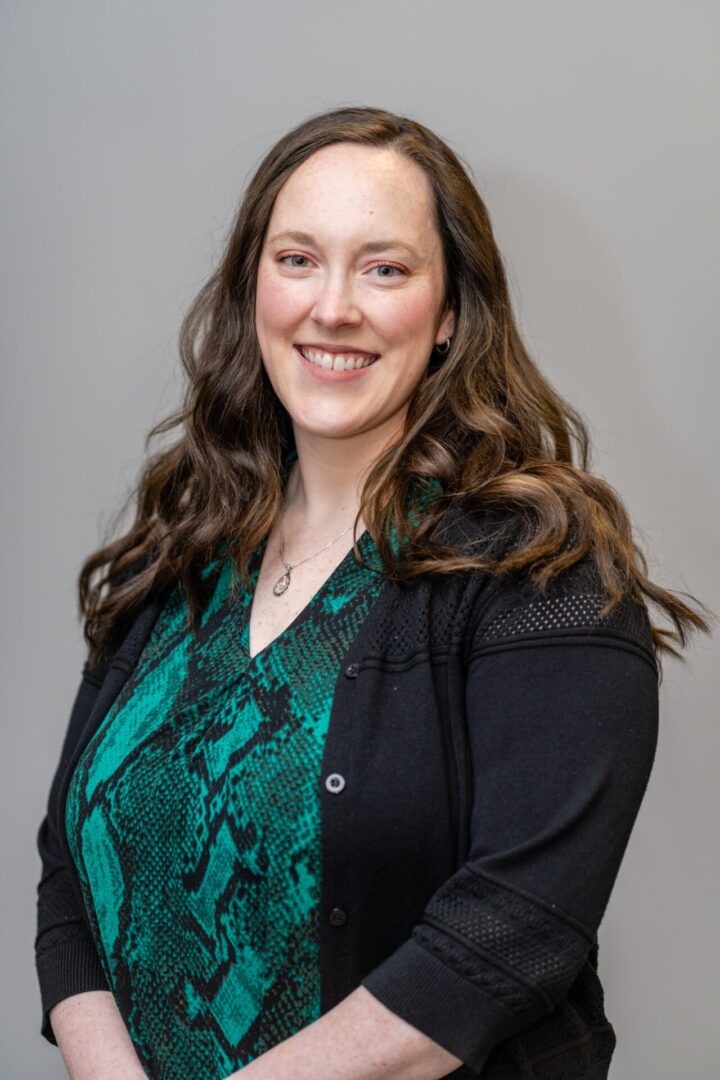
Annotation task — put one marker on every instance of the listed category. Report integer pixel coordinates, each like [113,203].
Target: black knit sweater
[494,745]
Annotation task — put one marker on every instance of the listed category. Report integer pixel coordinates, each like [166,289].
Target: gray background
[128,132]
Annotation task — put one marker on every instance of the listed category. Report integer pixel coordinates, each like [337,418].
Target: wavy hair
[484,426]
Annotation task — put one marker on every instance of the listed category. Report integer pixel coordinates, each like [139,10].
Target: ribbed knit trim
[447,1008]
[69,968]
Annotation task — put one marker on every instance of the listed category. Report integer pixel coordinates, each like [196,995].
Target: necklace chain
[283,582]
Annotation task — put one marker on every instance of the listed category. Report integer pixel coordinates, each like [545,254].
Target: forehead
[349,189]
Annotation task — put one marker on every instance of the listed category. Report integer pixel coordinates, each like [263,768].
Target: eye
[378,266]
[293,255]
[389,266]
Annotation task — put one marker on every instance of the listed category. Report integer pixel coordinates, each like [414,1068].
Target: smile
[336,361]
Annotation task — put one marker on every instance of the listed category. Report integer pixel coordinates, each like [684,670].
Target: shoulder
[512,609]
[129,628]
[572,607]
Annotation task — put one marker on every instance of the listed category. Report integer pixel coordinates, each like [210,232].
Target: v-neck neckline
[367,550]
[365,546]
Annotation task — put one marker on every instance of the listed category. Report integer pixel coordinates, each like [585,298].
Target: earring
[443,349]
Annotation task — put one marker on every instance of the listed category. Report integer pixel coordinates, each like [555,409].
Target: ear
[446,329]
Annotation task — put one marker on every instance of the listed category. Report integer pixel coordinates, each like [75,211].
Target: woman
[350,806]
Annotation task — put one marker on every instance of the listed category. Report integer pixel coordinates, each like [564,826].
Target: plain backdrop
[129,130]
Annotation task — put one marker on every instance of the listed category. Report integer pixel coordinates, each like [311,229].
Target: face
[361,277]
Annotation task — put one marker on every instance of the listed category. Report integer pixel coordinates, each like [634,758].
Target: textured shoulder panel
[420,616]
[518,611]
[431,612]
[471,611]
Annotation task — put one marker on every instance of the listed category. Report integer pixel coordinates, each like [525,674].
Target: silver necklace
[283,582]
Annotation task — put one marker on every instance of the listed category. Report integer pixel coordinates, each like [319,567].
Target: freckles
[277,302]
[409,314]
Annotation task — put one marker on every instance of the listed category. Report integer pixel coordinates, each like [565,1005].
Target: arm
[562,728]
[66,959]
[79,1014]
[562,719]
[93,1039]
[360,1039]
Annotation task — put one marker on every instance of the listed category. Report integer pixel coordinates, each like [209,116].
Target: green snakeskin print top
[193,818]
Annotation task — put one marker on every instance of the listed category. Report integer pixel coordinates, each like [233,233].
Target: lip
[326,375]
[334,349]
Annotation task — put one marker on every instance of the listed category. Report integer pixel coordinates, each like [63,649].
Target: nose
[335,303]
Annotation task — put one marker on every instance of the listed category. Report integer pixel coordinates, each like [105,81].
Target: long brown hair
[484,426]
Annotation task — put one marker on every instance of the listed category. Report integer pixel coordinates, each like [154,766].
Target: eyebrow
[371,247]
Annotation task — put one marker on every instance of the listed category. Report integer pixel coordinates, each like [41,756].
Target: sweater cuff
[451,1010]
[68,968]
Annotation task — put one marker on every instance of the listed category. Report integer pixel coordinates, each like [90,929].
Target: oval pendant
[281,585]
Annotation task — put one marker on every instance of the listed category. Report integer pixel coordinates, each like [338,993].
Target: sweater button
[338,917]
[352,670]
[335,783]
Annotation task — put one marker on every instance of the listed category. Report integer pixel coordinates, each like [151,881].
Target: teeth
[337,361]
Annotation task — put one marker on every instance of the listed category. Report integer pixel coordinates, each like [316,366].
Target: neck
[325,483]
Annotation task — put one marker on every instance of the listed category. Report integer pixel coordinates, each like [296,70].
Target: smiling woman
[353,809]
[350,197]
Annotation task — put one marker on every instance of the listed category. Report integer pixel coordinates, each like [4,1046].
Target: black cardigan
[495,745]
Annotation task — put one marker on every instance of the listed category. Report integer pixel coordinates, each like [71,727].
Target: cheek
[408,318]
[276,304]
